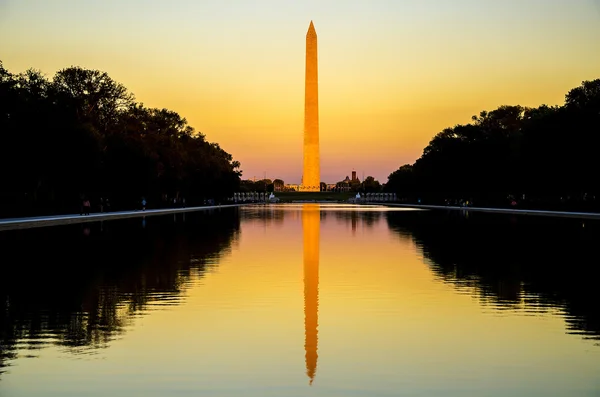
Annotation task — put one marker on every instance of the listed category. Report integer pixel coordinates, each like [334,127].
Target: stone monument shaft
[311,178]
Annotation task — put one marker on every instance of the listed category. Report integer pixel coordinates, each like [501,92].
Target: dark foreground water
[302,301]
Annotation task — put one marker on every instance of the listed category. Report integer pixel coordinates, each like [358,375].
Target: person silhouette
[86,206]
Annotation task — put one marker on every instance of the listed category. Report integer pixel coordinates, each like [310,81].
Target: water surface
[302,300]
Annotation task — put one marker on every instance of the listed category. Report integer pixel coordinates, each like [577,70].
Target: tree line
[544,157]
[263,185]
[81,135]
[369,185]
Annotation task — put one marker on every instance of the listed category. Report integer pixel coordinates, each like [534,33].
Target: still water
[302,300]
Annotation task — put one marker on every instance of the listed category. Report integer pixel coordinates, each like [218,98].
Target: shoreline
[561,214]
[56,220]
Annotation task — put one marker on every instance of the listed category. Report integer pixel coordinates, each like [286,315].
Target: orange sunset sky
[391,73]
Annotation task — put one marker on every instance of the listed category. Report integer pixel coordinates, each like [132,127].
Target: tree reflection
[525,262]
[274,215]
[367,218]
[80,288]
[264,214]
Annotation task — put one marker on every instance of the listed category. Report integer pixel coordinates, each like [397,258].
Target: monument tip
[311,27]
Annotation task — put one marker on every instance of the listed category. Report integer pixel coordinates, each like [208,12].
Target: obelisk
[311,220]
[311,178]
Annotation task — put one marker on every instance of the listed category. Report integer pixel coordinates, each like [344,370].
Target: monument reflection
[311,220]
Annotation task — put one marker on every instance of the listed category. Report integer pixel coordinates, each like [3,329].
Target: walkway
[24,223]
[582,215]
[39,221]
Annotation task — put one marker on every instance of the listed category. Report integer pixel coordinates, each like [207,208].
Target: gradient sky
[391,73]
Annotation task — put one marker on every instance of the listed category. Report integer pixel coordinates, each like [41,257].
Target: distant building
[347,184]
[344,185]
[289,187]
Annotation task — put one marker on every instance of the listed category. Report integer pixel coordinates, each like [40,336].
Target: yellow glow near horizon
[391,74]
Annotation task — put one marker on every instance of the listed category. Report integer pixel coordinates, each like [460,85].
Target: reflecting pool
[302,300]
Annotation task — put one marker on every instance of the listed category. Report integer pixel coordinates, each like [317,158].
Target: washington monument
[311,178]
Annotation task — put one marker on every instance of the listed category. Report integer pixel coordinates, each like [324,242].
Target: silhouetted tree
[278,185]
[370,185]
[541,157]
[82,133]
